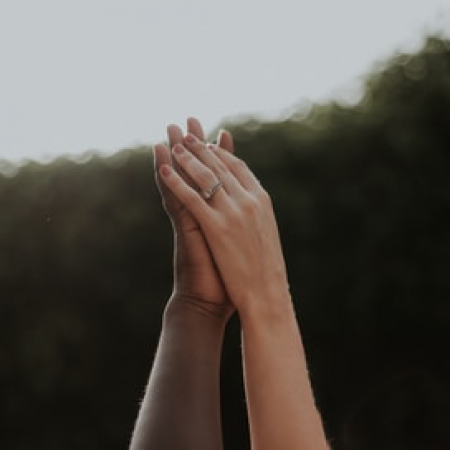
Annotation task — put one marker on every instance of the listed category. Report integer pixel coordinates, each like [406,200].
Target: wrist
[267,310]
[195,308]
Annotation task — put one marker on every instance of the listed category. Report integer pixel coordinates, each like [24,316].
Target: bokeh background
[362,194]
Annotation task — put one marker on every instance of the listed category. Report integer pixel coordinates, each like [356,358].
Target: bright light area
[110,74]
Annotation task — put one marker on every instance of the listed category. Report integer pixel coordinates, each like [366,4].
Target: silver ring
[208,194]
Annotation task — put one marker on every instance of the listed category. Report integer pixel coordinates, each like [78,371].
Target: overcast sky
[107,74]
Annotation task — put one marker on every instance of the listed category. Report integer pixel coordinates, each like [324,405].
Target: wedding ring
[208,194]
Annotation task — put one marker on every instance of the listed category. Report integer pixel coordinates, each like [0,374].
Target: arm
[282,411]
[181,406]
[241,231]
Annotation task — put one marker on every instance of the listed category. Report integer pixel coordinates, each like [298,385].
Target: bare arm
[241,231]
[282,411]
[181,406]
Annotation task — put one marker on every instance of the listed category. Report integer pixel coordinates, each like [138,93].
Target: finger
[175,135]
[184,193]
[238,168]
[195,127]
[209,159]
[161,156]
[225,140]
[201,174]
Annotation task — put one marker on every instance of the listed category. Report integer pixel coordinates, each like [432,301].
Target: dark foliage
[362,195]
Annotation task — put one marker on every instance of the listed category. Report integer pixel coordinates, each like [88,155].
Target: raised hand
[196,277]
[238,221]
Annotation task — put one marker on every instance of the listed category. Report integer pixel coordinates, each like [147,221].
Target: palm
[196,275]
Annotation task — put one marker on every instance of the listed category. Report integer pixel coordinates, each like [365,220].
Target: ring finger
[209,184]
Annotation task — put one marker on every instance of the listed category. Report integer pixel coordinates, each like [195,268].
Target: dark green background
[362,194]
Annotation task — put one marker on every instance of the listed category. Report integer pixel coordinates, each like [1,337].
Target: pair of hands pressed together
[227,257]
[228,253]
[196,279]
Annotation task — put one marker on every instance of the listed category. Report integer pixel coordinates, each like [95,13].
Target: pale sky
[108,74]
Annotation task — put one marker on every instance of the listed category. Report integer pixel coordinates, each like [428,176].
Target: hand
[237,221]
[197,280]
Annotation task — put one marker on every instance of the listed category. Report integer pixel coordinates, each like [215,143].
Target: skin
[240,230]
[181,406]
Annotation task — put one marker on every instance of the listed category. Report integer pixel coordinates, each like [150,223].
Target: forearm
[282,411]
[181,406]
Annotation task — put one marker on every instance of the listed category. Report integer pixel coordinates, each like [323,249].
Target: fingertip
[220,136]
[171,127]
[155,150]
[165,170]
[192,121]
[225,140]
[174,133]
[161,155]
[195,127]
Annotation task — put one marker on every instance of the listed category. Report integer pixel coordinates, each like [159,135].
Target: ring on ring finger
[208,194]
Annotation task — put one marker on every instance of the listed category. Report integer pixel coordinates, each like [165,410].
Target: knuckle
[264,196]
[233,217]
[235,220]
[238,165]
[188,161]
[222,226]
[250,205]
[205,179]
[191,197]
[221,169]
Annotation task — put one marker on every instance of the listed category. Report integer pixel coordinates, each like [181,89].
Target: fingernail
[210,146]
[165,170]
[190,139]
[179,149]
